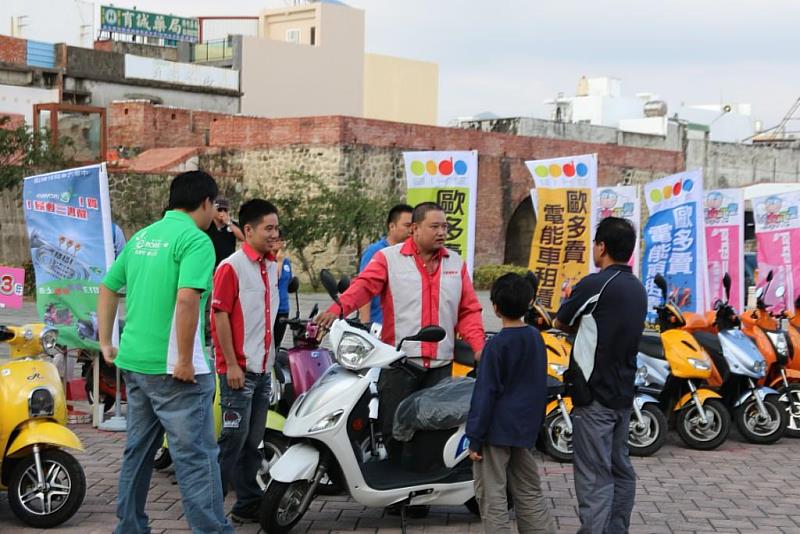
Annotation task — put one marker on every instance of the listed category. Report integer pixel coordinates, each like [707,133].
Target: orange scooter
[781,351]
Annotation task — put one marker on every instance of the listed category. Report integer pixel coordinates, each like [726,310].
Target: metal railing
[216,50]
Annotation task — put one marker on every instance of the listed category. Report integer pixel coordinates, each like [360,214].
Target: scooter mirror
[294,285]
[726,283]
[344,283]
[780,291]
[769,276]
[661,283]
[430,334]
[329,283]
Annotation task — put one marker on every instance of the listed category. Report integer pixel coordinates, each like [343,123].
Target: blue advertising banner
[68,215]
[674,239]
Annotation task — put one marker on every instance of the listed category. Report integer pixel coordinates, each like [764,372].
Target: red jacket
[401,267]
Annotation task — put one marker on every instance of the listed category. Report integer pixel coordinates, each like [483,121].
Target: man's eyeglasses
[224,210]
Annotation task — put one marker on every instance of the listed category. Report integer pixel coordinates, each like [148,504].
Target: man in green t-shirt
[166,269]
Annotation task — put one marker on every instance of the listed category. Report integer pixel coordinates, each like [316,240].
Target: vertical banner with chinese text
[724,218]
[68,217]
[451,180]
[777,220]
[674,241]
[621,201]
[561,251]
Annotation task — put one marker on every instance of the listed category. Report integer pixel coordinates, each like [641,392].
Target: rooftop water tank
[655,108]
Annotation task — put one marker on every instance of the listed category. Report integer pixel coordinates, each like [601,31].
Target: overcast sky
[507,56]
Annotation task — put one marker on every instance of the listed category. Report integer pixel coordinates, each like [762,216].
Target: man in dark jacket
[607,310]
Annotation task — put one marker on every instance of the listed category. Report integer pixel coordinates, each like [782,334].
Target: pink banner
[724,217]
[12,282]
[778,235]
[779,252]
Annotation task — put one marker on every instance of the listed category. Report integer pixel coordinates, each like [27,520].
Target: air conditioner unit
[293,36]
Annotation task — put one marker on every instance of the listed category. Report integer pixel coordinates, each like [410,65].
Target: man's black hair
[422,209]
[619,236]
[396,211]
[252,211]
[190,189]
[512,294]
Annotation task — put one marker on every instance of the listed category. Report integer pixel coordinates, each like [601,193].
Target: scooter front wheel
[645,438]
[757,429]
[282,505]
[557,437]
[48,505]
[790,399]
[708,435]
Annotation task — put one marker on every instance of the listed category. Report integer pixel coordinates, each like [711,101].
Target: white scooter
[332,428]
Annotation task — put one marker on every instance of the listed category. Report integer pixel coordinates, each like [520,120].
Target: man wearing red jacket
[420,283]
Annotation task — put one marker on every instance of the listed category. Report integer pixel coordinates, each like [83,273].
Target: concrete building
[600,102]
[309,60]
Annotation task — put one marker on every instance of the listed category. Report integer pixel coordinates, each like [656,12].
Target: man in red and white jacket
[245,303]
[421,283]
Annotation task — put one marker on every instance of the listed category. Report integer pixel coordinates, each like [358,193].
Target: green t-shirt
[168,255]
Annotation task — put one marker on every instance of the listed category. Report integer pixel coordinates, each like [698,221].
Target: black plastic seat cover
[651,345]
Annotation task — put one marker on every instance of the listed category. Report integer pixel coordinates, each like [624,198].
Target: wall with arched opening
[519,234]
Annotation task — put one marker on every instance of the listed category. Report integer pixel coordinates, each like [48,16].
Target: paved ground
[738,488]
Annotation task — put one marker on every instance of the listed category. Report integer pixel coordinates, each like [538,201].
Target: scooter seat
[651,345]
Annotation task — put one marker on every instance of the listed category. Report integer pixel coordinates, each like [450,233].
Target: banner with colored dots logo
[563,199]
[674,238]
[449,178]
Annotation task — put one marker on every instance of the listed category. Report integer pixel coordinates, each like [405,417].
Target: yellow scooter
[46,485]
[555,436]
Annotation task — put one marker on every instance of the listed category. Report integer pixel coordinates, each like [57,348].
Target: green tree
[23,153]
[356,216]
[303,208]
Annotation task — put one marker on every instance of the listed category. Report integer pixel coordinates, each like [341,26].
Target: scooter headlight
[48,339]
[329,421]
[558,369]
[759,366]
[41,403]
[702,365]
[352,351]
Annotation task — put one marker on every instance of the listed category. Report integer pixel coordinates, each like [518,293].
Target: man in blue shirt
[398,225]
[284,277]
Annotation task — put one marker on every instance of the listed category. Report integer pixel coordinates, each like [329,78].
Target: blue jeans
[244,417]
[158,403]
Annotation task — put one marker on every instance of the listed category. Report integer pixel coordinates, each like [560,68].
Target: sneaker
[247,515]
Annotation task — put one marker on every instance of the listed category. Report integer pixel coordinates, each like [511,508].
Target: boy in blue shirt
[505,415]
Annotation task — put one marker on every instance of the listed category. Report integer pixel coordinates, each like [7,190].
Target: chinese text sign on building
[119,20]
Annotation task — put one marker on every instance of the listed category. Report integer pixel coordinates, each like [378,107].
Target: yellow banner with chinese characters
[562,245]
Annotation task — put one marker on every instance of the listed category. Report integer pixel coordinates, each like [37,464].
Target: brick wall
[13,50]
[251,149]
[11,121]
[139,125]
